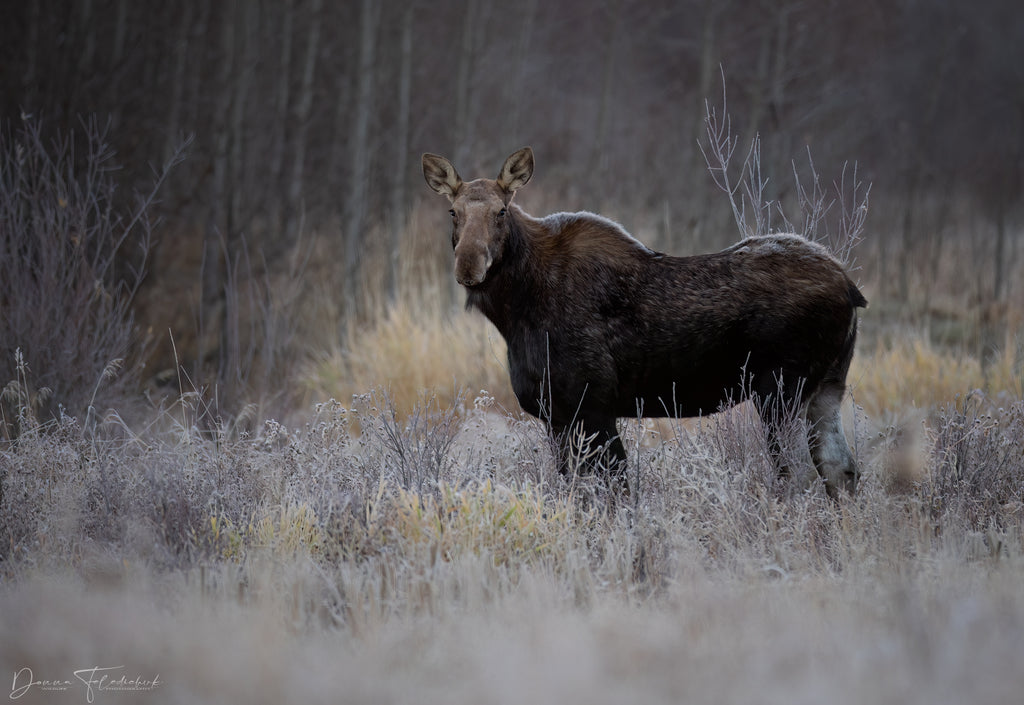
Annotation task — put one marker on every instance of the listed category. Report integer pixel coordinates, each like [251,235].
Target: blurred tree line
[310,115]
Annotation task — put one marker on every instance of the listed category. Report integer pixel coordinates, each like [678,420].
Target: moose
[599,327]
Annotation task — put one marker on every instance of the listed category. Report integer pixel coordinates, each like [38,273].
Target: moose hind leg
[827,441]
[782,416]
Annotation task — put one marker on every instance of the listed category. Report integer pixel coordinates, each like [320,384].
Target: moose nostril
[471,269]
[468,277]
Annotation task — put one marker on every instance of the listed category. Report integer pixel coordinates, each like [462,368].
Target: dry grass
[373,555]
[414,347]
[923,638]
[413,542]
[910,372]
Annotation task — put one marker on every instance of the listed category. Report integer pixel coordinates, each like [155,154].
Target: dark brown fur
[599,327]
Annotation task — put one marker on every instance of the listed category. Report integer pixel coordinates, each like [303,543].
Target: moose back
[599,327]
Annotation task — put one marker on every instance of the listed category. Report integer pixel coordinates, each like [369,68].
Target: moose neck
[510,290]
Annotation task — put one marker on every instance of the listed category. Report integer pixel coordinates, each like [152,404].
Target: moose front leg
[592,446]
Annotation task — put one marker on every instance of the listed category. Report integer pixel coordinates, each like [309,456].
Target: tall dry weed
[910,372]
[73,254]
[415,348]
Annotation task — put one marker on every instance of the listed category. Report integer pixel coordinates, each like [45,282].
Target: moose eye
[501,213]
[452,212]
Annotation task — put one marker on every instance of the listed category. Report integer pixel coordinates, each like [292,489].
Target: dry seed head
[113,367]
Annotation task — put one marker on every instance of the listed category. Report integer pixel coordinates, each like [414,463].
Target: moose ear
[441,175]
[517,170]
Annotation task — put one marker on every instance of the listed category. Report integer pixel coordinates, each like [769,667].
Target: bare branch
[747,196]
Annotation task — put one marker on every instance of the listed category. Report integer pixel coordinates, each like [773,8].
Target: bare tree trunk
[915,188]
[992,314]
[355,211]
[396,213]
[279,138]
[337,162]
[342,127]
[193,111]
[779,144]
[249,23]
[303,109]
[758,85]
[599,155]
[244,16]
[707,58]
[88,28]
[463,136]
[999,265]
[121,30]
[709,73]
[936,238]
[528,16]
[212,322]
[31,82]
[83,47]
[181,50]
[908,237]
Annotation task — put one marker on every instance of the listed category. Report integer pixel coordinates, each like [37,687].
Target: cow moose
[598,326]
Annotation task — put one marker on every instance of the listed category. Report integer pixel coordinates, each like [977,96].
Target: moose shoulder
[598,326]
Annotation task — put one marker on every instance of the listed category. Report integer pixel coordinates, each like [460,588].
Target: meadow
[399,547]
[398,533]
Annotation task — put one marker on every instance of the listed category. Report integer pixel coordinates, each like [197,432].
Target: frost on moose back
[599,328]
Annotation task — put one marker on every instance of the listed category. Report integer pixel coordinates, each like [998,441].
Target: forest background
[295,214]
